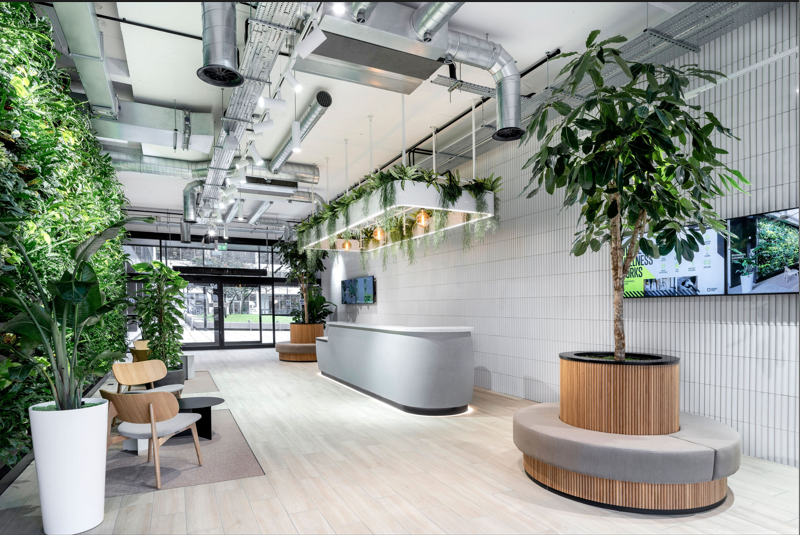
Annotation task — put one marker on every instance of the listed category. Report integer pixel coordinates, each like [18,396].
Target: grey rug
[227,456]
[202,383]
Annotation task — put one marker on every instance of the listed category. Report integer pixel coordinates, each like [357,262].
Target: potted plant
[69,433]
[640,164]
[317,307]
[748,268]
[160,311]
[303,266]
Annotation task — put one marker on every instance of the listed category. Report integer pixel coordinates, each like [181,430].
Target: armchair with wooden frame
[140,351]
[153,416]
[146,372]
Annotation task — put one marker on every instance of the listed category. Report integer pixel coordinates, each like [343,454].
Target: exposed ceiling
[162,69]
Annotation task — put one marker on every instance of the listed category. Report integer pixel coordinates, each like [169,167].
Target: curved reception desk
[420,370]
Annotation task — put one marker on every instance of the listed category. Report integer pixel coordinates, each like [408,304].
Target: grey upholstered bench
[703,450]
[290,352]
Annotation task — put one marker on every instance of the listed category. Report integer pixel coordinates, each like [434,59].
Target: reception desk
[420,370]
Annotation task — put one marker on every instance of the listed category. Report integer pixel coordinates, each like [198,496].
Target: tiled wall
[528,299]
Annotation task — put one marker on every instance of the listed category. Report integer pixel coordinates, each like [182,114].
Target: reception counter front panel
[421,370]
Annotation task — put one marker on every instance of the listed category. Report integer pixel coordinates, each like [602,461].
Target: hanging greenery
[56,190]
[398,229]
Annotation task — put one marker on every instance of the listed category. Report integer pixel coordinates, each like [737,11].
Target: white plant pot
[70,452]
[747,283]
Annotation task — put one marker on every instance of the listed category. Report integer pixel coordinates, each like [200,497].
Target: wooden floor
[339,462]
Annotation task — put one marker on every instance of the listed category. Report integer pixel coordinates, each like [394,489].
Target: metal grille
[697,25]
[263,45]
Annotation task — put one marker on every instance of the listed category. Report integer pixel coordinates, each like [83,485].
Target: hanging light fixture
[379,234]
[292,81]
[423,218]
[338,8]
[263,126]
[276,103]
[312,40]
[254,153]
[240,217]
[296,137]
[346,245]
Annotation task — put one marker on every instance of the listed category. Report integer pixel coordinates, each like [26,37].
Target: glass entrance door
[241,304]
[201,315]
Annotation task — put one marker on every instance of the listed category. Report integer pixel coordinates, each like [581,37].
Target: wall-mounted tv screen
[764,254]
[670,276]
[358,291]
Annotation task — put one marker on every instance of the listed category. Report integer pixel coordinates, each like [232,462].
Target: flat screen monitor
[359,291]
[671,276]
[764,253]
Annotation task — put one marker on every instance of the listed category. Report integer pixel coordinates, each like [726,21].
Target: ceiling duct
[485,54]
[190,201]
[258,212]
[430,17]
[124,159]
[322,101]
[360,11]
[220,56]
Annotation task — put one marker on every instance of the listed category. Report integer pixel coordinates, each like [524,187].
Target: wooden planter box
[305,333]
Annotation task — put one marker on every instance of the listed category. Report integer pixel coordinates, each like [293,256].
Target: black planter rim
[652,358]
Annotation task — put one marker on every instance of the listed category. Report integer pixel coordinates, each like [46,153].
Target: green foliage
[15,398]
[778,246]
[636,159]
[747,264]
[645,157]
[159,309]
[303,265]
[55,319]
[318,308]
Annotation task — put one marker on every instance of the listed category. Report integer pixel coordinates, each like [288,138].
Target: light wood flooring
[339,462]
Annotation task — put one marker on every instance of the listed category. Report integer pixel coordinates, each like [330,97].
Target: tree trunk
[618,278]
[304,290]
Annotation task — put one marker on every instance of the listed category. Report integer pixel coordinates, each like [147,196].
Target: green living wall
[56,189]
[778,246]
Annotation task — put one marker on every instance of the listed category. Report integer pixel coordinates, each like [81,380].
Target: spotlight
[338,8]
[240,217]
[254,153]
[242,175]
[212,232]
[219,216]
[312,40]
[276,103]
[296,137]
[292,81]
[260,128]
[230,142]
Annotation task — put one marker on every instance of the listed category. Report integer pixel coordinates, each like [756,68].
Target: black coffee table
[201,406]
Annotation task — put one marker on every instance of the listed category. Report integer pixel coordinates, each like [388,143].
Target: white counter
[421,370]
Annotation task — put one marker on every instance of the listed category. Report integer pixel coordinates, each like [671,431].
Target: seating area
[399,267]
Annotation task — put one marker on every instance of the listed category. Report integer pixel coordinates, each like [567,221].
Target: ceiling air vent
[220,56]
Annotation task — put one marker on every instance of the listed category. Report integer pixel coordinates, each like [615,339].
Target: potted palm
[160,310]
[640,163]
[303,266]
[69,433]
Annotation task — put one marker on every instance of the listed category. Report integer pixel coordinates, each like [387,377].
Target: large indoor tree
[638,159]
[303,266]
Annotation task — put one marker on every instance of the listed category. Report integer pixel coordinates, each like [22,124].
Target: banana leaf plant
[56,316]
[638,160]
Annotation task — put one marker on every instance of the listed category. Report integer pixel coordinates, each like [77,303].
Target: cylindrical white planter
[69,448]
[747,282]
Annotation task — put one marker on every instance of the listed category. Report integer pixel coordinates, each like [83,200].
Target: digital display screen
[764,253]
[358,291]
[671,276]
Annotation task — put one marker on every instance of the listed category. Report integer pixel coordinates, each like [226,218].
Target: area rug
[227,456]
[202,383]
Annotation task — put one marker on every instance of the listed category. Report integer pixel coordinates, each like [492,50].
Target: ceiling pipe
[322,101]
[220,56]
[258,212]
[360,11]
[186,232]
[492,57]
[430,17]
[190,201]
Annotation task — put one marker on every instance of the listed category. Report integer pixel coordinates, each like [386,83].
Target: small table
[201,406]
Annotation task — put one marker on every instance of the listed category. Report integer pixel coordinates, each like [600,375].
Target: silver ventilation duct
[322,101]
[132,160]
[220,56]
[360,11]
[190,200]
[258,212]
[492,57]
[430,17]
[186,232]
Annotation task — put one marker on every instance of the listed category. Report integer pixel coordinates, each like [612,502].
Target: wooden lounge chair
[153,416]
[129,374]
[140,350]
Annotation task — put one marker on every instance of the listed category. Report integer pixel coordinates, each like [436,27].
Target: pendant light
[310,42]
[423,218]
[296,136]
[346,246]
[292,81]
[240,216]
[251,148]
[379,234]
[263,126]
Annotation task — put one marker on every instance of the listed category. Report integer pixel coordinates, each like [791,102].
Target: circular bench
[290,352]
[681,472]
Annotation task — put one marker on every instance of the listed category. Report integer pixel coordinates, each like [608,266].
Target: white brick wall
[528,299]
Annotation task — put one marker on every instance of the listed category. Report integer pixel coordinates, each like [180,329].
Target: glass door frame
[221,281]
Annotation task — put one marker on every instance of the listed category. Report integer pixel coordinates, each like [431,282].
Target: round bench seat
[703,449]
[290,352]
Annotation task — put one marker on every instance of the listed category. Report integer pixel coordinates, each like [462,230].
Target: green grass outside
[243,318]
